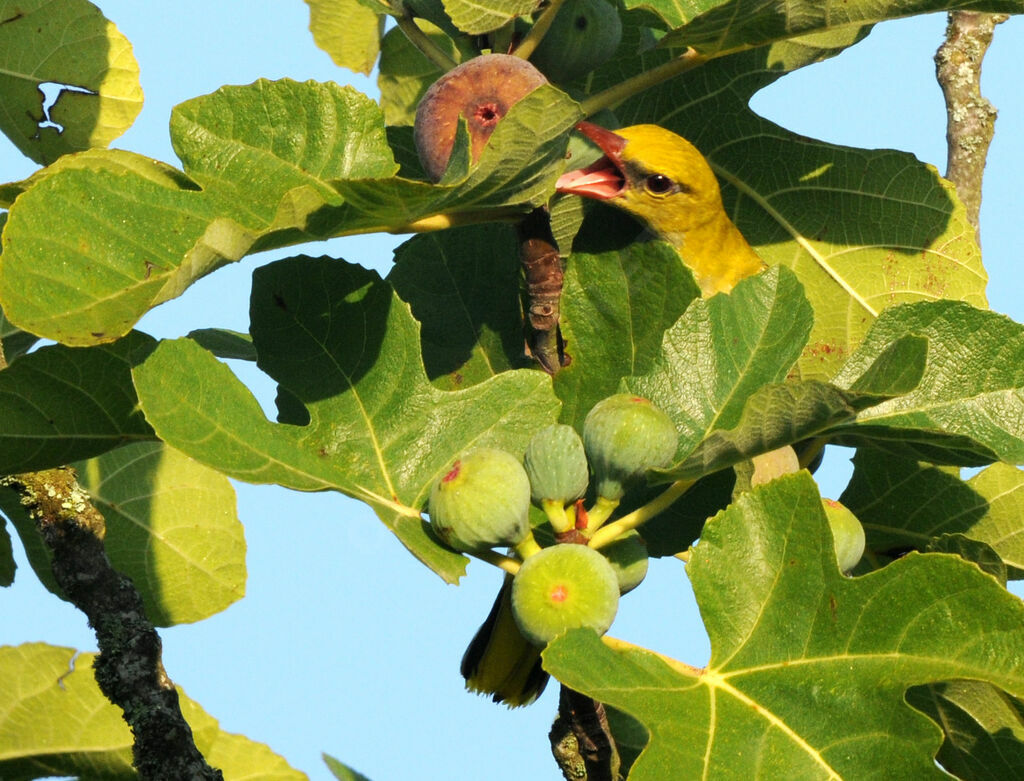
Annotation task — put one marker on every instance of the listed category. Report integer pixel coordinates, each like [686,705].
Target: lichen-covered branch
[128,669]
[970,118]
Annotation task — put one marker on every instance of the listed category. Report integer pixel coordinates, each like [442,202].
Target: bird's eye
[658,184]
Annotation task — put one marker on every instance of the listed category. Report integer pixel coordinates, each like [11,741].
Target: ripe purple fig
[481,90]
[481,501]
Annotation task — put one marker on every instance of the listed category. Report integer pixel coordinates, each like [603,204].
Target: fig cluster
[482,501]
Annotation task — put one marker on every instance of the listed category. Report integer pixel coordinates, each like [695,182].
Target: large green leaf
[969,406]
[463,287]
[808,668]
[722,350]
[73,46]
[60,404]
[905,504]
[616,304]
[105,236]
[339,341]
[348,31]
[171,527]
[55,721]
[775,414]
[714,26]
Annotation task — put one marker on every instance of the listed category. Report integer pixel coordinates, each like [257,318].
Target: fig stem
[538,31]
[527,546]
[649,78]
[680,667]
[811,452]
[499,560]
[422,41]
[640,515]
[557,517]
[599,513]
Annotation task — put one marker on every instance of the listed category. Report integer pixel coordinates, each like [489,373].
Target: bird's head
[652,173]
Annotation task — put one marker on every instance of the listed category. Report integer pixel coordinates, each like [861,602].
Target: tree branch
[970,118]
[581,740]
[128,669]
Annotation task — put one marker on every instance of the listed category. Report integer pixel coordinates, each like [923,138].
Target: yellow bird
[661,178]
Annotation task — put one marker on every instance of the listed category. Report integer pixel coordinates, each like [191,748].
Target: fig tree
[481,501]
[847,534]
[480,90]
[585,34]
[624,436]
[564,587]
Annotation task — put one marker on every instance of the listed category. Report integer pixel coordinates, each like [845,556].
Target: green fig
[482,501]
[481,91]
[624,436]
[628,557]
[556,465]
[847,534]
[564,587]
[584,34]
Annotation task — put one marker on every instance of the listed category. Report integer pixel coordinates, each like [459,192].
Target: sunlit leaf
[171,526]
[341,343]
[348,31]
[74,51]
[55,721]
[792,639]
[969,406]
[268,164]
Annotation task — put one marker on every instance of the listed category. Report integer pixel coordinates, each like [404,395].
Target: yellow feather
[692,217]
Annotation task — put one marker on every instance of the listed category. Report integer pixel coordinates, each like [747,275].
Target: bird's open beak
[602,179]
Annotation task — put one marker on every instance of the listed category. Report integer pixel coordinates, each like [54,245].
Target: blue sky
[344,643]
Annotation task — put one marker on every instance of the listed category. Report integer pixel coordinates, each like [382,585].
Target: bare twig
[128,669]
[970,118]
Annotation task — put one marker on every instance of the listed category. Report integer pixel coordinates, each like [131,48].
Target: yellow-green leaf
[71,47]
[171,527]
[55,721]
[348,31]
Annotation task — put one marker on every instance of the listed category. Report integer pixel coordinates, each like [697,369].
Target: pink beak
[602,179]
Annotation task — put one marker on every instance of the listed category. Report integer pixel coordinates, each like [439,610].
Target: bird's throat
[717,254]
